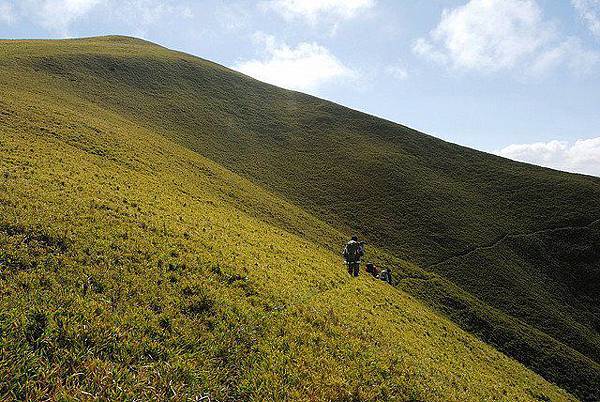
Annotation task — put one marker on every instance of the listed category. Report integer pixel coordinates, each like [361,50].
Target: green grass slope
[414,197]
[407,180]
[132,267]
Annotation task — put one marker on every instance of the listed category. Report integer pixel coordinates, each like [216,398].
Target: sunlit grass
[132,267]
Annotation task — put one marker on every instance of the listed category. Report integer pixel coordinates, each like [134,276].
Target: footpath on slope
[472,250]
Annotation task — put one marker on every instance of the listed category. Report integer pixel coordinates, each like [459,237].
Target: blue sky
[520,78]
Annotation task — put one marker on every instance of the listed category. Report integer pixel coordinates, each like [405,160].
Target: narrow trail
[472,250]
[348,281]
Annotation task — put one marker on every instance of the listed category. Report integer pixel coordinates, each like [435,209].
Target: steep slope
[413,196]
[131,267]
[409,180]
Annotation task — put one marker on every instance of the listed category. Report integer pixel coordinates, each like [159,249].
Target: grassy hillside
[390,182]
[133,267]
[137,120]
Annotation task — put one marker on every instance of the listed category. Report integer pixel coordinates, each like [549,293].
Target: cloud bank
[495,35]
[581,156]
[304,67]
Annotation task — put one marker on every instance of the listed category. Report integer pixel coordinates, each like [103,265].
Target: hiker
[386,275]
[352,253]
[372,269]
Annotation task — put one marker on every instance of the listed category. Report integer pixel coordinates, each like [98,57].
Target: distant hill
[175,226]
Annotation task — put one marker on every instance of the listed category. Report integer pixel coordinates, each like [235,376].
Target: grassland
[170,228]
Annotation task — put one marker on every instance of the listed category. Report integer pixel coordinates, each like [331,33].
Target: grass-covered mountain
[171,228]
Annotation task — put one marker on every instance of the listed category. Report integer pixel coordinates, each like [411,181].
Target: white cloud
[422,47]
[589,11]
[57,15]
[305,67]
[7,13]
[582,156]
[487,35]
[495,35]
[569,53]
[142,14]
[312,10]
[397,71]
[233,17]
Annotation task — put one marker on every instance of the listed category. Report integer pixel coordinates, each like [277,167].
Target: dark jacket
[353,251]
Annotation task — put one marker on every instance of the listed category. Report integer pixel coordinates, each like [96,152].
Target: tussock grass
[141,276]
[133,267]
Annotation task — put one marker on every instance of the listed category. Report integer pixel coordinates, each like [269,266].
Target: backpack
[386,276]
[353,251]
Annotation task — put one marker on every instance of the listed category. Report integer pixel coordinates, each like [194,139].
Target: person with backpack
[386,275]
[372,269]
[352,253]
